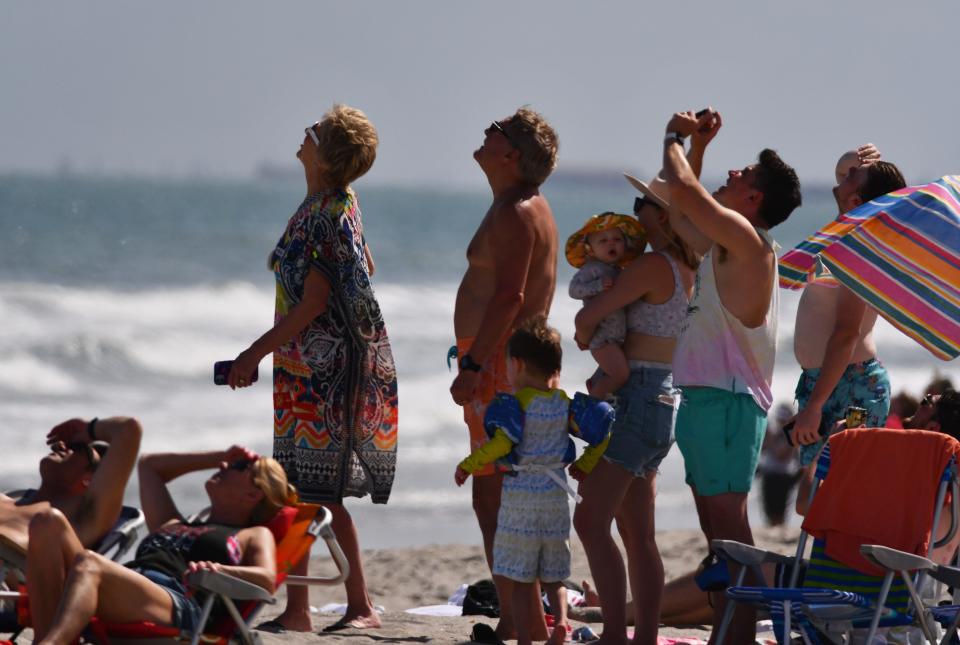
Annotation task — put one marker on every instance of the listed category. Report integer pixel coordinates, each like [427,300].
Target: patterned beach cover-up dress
[334,384]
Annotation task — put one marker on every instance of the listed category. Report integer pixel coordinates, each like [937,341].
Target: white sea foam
[75,351]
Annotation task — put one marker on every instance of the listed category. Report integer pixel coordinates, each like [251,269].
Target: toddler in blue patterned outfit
[529,431]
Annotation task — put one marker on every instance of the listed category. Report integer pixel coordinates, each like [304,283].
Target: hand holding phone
[709,129]
[221,372]
[823,430]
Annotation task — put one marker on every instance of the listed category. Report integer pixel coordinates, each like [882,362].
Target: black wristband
[674,137]
[90,428]
[467,363]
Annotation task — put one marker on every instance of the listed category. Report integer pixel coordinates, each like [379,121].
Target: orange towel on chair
[880,489]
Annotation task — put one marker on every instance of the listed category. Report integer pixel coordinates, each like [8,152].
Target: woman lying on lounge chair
[67,584]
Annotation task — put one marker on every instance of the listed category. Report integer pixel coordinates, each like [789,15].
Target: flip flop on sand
[272,626]
[483,633]
[343,623]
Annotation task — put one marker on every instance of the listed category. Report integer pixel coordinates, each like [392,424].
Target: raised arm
[699,141]
[157,469]
[104,496]
[719,224]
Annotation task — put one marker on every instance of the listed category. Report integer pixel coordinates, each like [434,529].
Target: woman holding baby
[653,291]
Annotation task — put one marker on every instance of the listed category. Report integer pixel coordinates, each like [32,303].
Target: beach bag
[481,600]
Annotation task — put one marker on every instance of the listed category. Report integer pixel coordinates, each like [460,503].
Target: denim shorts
[186,611]
[646,414]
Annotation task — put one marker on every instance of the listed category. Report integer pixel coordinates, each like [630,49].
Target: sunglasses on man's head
[93,457]
[310,132]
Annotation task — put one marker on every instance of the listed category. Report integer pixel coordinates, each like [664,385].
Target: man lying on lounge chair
[82,479]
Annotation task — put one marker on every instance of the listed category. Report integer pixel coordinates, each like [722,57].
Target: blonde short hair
[537,142]
[348,144]
[270,478]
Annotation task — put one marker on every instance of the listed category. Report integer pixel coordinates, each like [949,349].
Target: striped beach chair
[834,598]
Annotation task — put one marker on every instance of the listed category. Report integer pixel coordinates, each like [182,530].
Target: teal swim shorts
[719,434]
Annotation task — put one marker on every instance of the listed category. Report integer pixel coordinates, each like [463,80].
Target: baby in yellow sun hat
[600,249]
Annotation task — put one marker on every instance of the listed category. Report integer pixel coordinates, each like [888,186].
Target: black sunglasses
[643,200]
[240,464]
[93,457]
[495,125]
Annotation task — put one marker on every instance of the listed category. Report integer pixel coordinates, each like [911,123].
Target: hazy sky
[214,88]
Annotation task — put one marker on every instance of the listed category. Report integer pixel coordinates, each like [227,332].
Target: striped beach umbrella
[901,254]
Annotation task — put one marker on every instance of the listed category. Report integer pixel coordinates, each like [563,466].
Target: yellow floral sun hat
[633,233]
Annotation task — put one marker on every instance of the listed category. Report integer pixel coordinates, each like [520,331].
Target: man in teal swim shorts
[725,354]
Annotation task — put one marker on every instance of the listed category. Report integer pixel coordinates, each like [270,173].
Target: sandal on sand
[343,623]
[483,633]
[272,626]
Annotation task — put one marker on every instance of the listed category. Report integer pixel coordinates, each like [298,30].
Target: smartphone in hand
[221,370]
[823,430]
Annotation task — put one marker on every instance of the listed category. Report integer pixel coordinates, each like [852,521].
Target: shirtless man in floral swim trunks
[511,277]
[833,334]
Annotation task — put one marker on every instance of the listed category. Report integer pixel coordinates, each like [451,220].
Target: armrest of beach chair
[229,586]
[229,590]
[750,557]
[321,526]
[746,554]
[946,574]
[894,560]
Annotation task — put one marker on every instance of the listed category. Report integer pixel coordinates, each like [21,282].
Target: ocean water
[118,295]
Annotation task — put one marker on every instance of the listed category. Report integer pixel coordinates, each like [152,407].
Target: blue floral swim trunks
[864,385]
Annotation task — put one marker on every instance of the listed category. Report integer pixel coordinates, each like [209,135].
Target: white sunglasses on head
[312,134]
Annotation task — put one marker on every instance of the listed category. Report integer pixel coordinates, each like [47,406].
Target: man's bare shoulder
[531,212]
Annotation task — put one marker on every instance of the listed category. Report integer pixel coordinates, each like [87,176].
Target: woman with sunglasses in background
[334,381]
[67,584]
[655,290]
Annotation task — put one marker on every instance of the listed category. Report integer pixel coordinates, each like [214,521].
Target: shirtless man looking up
[511,276]
[833,336]
[82,480]
[725,354]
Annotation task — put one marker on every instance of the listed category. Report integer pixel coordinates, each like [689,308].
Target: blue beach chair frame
[810,608]
[947,615]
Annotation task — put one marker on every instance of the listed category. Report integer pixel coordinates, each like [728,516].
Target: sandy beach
[403,578]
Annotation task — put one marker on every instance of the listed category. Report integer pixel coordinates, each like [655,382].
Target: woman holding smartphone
[334,381]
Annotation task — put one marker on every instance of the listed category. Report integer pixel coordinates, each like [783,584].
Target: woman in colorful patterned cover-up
[335,386]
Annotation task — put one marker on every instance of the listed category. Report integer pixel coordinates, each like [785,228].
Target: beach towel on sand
[901,254]
[880,489]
